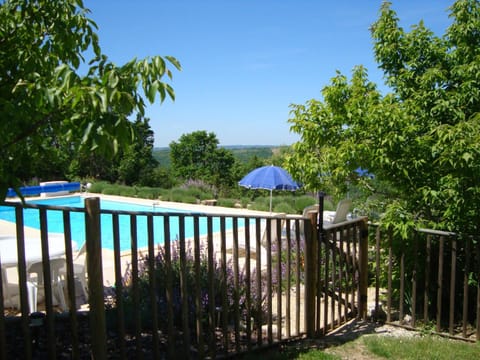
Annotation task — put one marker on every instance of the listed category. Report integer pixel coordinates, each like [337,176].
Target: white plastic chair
[57,284]
[340,214]
[79,269]
[330,217]
[11,294]
[7,295]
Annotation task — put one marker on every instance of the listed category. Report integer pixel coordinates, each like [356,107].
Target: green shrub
[189,200]
[156,192]
[127,191]
[328,205]
[284,208]
[244,201]
[172,195]
[110,190]
[197,193]
[263,201]
[301,202]
[98,187]
[226,202]
[163,194]
[180,195]
[260,204]
[146,194]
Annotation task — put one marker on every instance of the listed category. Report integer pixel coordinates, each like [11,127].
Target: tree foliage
[421,138]
[133,164]
[137,163]
[50,92]
[196,156]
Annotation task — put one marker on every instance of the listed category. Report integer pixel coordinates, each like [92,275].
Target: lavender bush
[297,258]
[222,281]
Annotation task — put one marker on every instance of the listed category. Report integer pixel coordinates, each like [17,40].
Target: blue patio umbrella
[269,178]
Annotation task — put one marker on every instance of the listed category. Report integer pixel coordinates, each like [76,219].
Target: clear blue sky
[245,61]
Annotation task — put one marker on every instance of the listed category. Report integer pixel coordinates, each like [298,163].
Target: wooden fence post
[98,327]
[363,276]
[310,269]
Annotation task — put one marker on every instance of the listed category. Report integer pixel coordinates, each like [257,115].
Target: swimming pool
[55,221]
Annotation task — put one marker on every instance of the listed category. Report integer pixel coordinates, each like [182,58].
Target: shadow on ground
[347,333]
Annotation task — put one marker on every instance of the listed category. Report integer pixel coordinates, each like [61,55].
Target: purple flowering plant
[237,299]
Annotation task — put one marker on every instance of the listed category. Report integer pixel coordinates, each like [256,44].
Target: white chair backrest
[343,207]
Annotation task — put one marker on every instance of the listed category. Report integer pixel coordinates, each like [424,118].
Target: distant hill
[242,152]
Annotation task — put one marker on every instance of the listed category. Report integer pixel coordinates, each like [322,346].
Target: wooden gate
[336,275]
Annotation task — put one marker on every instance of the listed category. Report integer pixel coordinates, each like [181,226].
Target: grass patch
[428,347]
[318,355]
[374,346]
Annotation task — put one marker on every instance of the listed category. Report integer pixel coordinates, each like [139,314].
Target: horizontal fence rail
[429,281]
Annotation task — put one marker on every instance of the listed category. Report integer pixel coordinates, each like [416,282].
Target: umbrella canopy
[269,178]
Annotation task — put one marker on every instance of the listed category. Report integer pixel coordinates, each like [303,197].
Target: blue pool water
[55,221]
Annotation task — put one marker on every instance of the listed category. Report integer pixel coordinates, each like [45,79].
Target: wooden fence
[248,283]
[430,281]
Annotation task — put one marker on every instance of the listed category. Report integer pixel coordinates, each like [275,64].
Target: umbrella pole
[271,190]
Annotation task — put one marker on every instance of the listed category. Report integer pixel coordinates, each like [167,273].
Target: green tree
[133,164]
[253,163]
[196,156]
[137,163]
[421,139]
[49,91]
